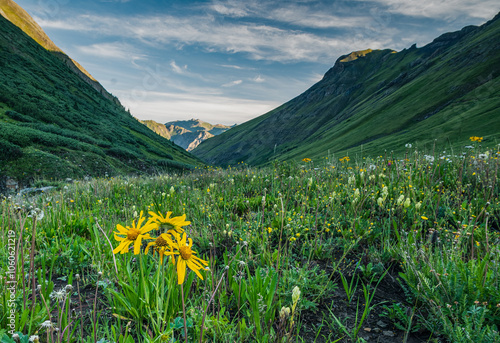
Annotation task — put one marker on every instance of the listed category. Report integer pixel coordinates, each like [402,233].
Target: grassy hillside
[373,101]
[53,124]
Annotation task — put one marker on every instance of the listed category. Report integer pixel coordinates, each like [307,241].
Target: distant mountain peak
[188,134]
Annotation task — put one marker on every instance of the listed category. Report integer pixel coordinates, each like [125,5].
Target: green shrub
[20,117]
[9,151]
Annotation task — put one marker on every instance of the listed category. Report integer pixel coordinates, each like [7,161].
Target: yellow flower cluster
[476,139]
[345,159]
[306,160]
[172,242]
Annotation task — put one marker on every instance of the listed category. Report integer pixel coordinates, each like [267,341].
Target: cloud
[298,13]
[233,83]
[258,41]
[178,70]
[448,10]
[231,66]
[109,50]
[259,79]
[164,107]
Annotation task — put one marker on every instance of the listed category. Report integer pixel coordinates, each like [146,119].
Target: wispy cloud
[109,50]
[233,83]
[231,66]
[443,9]
[298,13]
[178,70]
[258,41]
[259,79]
[164,107]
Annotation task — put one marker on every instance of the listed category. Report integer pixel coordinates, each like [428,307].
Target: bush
[20,117]
[9,151]
[122,153]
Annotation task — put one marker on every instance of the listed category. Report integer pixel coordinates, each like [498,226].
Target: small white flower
[34,338]
[59,295]
[46,324]
[408,145]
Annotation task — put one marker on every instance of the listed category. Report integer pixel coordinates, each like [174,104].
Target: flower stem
[184,314]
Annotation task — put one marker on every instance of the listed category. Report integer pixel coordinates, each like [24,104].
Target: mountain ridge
[19,17]
[417,94]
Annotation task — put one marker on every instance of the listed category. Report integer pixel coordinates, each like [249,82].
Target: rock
[389,333]
[27,191]
[69,180]
[381,324]
[11,184]
[367,329]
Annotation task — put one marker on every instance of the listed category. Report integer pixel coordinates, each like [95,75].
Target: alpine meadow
[365,209]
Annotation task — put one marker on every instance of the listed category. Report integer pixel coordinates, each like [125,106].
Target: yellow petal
[126,249]
[121,229]
[148,246]
[194,268]
[181,271]
[183,240]
[137,245]
[121,247]
[148,227]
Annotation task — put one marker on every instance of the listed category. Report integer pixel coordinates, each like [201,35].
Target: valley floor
[393,249]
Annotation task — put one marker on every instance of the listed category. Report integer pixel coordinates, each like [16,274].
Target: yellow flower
[134,234]
[306,160]
[186,257]
[476,139]
[269,229]
[165,222]
[345,159]
[424,217]
[160,245]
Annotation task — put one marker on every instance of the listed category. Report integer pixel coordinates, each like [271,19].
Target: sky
[228,61]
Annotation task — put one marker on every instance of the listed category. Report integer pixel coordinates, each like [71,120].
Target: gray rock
[389,333]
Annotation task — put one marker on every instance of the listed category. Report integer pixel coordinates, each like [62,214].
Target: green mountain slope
[19,17]
[54,124]
[371,101]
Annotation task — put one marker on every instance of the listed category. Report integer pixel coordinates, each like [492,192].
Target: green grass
[344,233]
